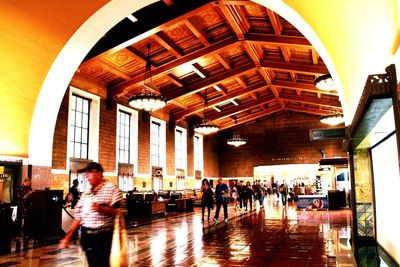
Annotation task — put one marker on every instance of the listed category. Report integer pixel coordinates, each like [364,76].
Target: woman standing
[207,198]
[235,194]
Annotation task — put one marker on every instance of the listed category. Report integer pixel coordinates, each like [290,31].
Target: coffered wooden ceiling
[251,61]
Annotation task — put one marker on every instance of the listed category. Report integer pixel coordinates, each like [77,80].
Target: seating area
[148,204]
[144,204]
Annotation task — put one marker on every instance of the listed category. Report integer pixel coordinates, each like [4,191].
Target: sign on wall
[328,133]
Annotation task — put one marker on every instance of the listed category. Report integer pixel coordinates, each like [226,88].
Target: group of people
[242,195]
[222,197]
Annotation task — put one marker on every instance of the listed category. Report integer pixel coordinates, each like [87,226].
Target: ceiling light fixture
[333,119]
[325,83]
[148,99]
[236,140]
[206,127]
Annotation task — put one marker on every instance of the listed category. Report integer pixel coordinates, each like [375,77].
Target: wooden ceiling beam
[276,94]
[276,24]
[163,40]
[314,111]
[315,56]
[199,70]
[330,103]
[113,69]
[250,117]
[224,62]
[300,68]
[244,107]
[264,73]
[175,80]
[169,67]
[177,103]
[258,38]
[250,50]
[197,32]
[217,101]
[211,81]
[235,20]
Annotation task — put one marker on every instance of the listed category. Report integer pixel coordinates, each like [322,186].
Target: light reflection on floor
[267,236]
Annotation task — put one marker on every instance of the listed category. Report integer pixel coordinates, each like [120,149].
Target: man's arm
[64,243]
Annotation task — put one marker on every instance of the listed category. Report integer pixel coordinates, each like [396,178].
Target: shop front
[310,185]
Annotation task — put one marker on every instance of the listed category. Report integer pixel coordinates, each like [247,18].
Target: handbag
[119,246]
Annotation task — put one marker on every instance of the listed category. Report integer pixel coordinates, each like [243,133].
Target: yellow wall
[31,37]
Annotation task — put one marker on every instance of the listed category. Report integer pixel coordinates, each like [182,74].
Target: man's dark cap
[92,166]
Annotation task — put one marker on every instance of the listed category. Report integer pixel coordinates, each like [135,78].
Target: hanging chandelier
[325,83]
[205,127]
[236,140]
[148,100]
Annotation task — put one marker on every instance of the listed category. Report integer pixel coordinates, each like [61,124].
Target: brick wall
[170,150]
[211,161]
[190,156]
[278,140]
[107,137]
[144,143]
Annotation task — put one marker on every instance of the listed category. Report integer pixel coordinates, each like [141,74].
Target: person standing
[74,190]
[241,194]
[284,191]
[221,191]
[95,213]
[235,194]
[249,196]
[23,205]
[207,198]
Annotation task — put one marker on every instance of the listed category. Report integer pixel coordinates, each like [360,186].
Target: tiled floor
[267,236]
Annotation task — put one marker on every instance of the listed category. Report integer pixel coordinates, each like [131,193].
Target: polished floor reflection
[266,236]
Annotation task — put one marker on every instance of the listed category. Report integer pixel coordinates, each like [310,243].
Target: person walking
[207,198]
[95,213]
[222,198]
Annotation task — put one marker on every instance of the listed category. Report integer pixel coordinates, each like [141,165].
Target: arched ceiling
[251,62]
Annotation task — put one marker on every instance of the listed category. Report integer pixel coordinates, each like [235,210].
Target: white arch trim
[61,72]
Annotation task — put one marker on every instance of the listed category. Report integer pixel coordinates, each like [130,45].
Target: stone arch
[76,48]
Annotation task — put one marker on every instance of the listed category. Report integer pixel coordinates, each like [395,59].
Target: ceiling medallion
[205,127]
[236,140]
[325,83]
[148,100]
